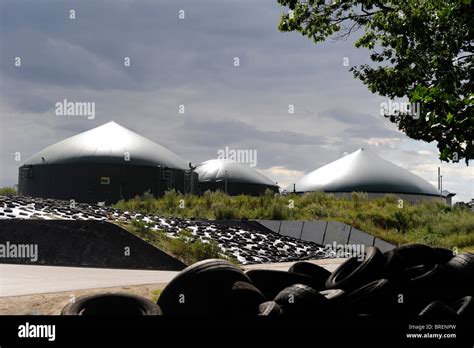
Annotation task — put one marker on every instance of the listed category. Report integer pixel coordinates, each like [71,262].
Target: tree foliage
[421,50]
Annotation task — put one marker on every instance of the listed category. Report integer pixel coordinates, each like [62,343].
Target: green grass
[7,191]
[156,294]
[185,247]
[432,223]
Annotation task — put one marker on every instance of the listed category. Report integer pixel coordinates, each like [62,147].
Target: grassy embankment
[431,223]
[185,247]
[7,191]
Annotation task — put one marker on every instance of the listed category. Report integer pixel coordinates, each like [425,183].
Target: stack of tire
[409,281]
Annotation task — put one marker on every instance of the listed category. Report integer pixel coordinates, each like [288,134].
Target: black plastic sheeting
[83,244]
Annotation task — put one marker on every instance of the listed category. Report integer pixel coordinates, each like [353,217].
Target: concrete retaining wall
[84,244]
[314,231]
[324,232]
[291,229]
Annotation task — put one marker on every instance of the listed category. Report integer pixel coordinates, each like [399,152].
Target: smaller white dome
[216,170]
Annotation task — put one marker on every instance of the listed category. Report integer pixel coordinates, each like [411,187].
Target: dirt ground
[53,303]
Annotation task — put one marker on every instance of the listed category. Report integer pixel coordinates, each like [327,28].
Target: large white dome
[364,172]
[108,144]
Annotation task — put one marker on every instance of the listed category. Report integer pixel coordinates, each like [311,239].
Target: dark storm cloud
[89,50]
[182,61]
[365,130]
[230,132]
[361,125]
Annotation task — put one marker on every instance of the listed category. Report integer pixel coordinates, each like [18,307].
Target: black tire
[271,282]
[463,263]
[317,273]
[423,284]
[354,273]
[112,305]
[333,295]
[270,309]
[463,267]
[428,276]
[245,300]
[447,254]
[415,271]
[203,289]
[336,298]
[438,310]
[418,254]
[374,298]
[394,266]
[464,307]
[301,301]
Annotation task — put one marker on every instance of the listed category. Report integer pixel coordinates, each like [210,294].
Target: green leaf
[449,117]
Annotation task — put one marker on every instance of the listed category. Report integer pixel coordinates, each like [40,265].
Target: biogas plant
[110,162]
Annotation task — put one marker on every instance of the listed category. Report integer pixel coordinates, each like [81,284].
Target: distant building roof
[217,170]
[108,144]
[363,171]
[446,193]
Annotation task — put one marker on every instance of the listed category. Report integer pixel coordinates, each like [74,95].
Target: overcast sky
[190,61]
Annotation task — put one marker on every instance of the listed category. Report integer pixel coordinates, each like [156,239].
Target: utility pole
[439,173]
[226,182]
[440,184]
[441,187]
[191,167]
